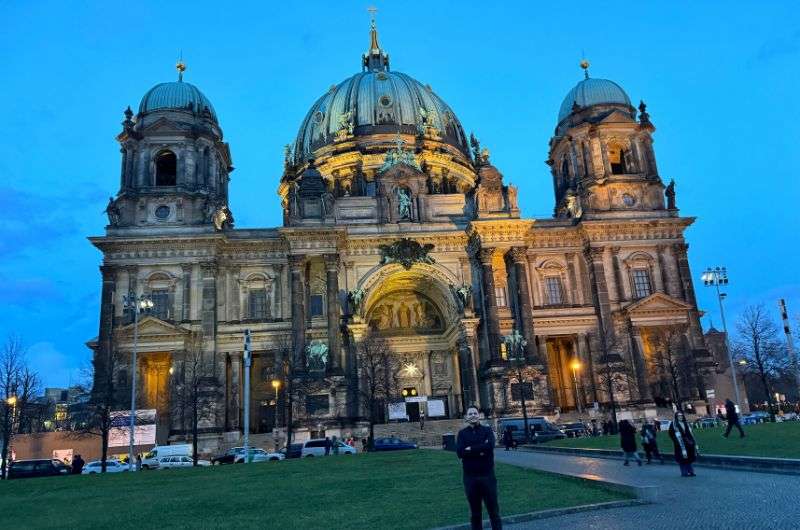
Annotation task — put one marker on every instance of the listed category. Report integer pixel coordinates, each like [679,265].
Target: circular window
[382,76]
[628,200]
[385,101]
[319,116]
[162,212]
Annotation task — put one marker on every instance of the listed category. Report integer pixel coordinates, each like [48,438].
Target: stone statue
[356,298]
[317,355]
[573,204]
[222,218]
[670,193]
[113,212]
[294,207]
[346,122]
[463,295]
[327,204]
[403,203]
[287,155]
[512,197]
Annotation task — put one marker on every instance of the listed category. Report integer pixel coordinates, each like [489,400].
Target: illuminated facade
[396,223]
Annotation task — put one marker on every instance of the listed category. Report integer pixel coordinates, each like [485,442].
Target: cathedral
[397,225]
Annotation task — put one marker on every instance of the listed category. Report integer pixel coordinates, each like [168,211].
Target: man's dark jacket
[730,412]
[479,460]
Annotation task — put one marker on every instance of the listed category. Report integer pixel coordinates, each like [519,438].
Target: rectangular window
[500,296]
[554,292]
[258,304]
[160,298]
[317,404]
[641,283]
[315,305]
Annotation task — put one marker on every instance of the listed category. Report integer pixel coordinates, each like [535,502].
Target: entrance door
[412,409]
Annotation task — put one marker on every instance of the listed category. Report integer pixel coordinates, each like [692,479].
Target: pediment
[150,326]
[616,116]
[400,171]
[657,302]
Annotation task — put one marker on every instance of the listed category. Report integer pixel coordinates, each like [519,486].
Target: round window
[628,200]
[385,100]
[319,116]
[382,76]
[162,212]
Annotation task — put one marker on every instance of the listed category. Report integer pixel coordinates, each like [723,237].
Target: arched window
[616,157]
[166,168]
[564,167]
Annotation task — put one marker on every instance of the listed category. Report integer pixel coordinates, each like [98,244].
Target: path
[714,499]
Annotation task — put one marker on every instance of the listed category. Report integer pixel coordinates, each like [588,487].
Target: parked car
[173,462]
[749,419]
[392,444]
[539,429]
[575,430]
[48,467]
[112,466]
[760,416]
[151,458]
[235,455]
[316,447]
[293,451]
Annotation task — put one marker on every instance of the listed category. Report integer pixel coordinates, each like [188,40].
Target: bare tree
[196,391]
[18,386]
[672,362]
[758,345]
[615,371]
[377,371]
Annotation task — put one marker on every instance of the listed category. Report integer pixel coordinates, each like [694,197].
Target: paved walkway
[714,499]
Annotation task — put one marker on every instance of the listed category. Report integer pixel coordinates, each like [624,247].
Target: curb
[782,466]
[555,512]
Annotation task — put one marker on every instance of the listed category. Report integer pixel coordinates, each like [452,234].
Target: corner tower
[175,165]
[601,157]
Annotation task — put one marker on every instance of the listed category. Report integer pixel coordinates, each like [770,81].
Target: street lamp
[12,402]
[576,365]
[716,277]
[137,305]
[276,384]
[515,347]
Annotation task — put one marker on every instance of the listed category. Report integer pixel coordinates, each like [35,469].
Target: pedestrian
[335,445]
[327,446]
[650,442]
[77,465]
[627,440]
[508,438]
[139,462]
[364,447]
[733,419]
[686,449]
[475,448]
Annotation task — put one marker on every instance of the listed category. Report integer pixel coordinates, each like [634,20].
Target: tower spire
[375,60]
[585,66]
[373,31]
[180,66]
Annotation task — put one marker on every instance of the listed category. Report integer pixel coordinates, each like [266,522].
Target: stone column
[639,363]
[585,353]
[573,279]
[662,267]
[332,286]
[618,286]
[485,255]
[234,294]
[297,265]
[105,333]
[187,291]
[235,404]
[599,290]
[682,259]
[208,308]
[519,255]
[278,284]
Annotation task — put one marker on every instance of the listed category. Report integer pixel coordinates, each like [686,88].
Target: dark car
[293,451]
[575,429]
[37,468]
[392,444]
[539,430]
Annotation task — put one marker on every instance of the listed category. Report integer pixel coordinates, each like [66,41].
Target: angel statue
[403,203]
[317,355]
[356,298]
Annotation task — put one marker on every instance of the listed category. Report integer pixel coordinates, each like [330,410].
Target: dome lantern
[375,60]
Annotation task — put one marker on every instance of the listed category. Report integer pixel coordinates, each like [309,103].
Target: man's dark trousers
[482,490]
[731,424]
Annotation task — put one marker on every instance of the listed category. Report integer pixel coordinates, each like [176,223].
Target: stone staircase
[429,436]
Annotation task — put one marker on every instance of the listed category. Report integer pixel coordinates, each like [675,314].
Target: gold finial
[373,31]
[180,66]
[585,66]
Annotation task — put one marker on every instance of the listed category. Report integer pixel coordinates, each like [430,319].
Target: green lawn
[778,440]
[419,489]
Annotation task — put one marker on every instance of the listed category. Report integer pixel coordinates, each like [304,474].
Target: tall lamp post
[714,278]
[276,384]
[515,344]
[576,365]
[137,305]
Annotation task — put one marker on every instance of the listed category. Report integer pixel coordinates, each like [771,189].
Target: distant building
[721,382]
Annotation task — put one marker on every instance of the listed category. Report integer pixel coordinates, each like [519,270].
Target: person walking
[335,445]
[328,446]
[475,448]
[138,461]
[686,449]
[649,442]
[508,438]
[627,440]
[733,419]
[77,465]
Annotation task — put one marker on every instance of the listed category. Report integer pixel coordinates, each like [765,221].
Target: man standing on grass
[475,448]
[733,419]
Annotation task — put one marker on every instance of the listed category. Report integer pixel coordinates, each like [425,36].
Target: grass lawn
[408,489]
[778,440]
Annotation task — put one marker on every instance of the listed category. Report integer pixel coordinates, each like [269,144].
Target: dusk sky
[720,80]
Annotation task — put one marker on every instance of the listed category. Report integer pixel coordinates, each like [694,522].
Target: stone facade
[402,232]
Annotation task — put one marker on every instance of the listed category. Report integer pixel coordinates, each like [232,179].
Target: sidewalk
[713,499]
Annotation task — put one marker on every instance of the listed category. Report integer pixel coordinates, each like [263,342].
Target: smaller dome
[177,95]
[591,91]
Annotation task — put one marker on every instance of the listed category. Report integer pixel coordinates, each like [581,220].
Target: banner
[397,411]
[435,408]
[144,434]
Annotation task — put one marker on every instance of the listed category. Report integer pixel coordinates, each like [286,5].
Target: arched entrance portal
[415,312]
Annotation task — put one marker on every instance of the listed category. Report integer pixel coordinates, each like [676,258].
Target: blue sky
[720,80]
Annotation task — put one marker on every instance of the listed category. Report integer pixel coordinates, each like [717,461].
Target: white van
[316,447]
[150,460]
